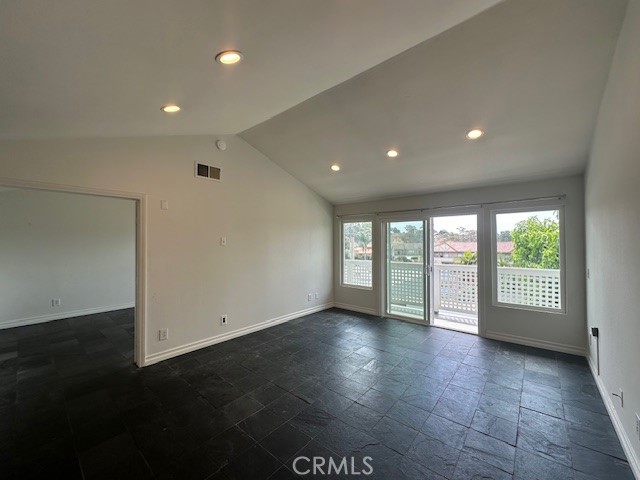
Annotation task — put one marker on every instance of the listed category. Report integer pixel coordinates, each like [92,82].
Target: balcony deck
[456,321]
[446,319]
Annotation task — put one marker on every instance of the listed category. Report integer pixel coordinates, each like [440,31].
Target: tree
[465,235]
[505,236]
[536,244]
[412,234]
[444,234]
[357,234]
[363,238]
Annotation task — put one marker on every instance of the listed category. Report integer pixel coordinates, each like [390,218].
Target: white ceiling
[323,81]
[529,72]
[74,68]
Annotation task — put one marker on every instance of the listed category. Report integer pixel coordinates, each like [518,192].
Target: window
[357,252]
[528,260]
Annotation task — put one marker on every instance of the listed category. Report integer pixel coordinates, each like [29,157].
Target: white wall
[558,331]
[279,232]
[613,232]
[78,248]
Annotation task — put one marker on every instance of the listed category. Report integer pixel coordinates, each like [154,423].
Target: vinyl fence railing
[456,286]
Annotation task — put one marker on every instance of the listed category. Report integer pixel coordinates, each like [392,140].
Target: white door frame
[141,247]
[426,217]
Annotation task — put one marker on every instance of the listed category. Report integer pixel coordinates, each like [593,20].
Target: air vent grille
[207,171]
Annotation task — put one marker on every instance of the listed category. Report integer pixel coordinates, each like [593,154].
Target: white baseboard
[206,342]
[632,458]
[356,308]
[22,322]
[534,342]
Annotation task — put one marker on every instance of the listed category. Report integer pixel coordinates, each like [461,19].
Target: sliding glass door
[432,272]
[405,268]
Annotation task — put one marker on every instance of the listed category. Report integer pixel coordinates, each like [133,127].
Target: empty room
[319,239]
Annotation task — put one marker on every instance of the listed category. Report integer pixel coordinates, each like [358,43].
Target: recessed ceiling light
[392,153]
[229,57]
[335,167]
[170,108]
[474,134]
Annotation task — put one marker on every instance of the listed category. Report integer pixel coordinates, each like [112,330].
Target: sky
[504,221]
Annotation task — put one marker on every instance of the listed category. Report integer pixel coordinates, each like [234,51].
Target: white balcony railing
[357,272]
[534,287]
[456,286]
[406,286]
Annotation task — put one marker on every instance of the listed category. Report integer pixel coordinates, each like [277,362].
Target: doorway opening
[432,271]
[454,272]
[119,305]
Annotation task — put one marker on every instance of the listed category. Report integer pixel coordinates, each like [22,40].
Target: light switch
[223,241]
[164,204]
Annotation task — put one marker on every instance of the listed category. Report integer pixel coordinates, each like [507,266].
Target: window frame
[342,259]
[562,260]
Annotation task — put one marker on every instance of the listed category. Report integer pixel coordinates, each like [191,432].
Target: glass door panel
[406,269]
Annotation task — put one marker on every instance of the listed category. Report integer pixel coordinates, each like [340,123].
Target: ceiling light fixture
[229,57]
[474,134]
[392,153]
[335,167]
[170,108]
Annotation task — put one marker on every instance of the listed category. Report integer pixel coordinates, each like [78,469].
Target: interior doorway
[131,317]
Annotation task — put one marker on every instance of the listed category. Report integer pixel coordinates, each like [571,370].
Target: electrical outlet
[317,295]
[223,319]
[309,298]
[163,334]
[638,426]
[55,302]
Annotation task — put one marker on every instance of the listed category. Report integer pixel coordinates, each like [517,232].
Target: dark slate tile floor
[422,402]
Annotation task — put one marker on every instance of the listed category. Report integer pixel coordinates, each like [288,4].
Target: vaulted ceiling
[323,82]
[530,73]
[71,68]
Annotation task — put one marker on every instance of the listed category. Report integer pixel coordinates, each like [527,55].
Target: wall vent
[207,171]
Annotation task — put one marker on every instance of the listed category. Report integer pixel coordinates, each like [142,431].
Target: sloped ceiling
[78,68]
[529,72]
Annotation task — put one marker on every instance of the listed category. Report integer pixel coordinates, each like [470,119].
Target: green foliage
[467,258]
[536,244]
[504,261]
[357,234]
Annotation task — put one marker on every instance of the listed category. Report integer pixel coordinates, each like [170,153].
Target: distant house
[448,250]
[360,252]
[444,251]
